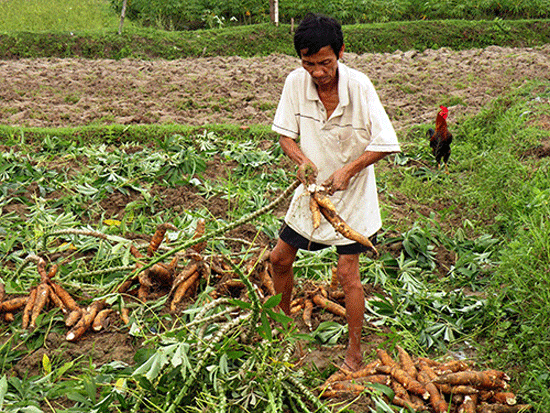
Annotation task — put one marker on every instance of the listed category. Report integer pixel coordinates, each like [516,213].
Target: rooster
[441,138]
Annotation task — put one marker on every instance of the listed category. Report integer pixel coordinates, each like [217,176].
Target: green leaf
[387,391]
[235,355]
[32,409]
[3,390]
[265,329]
[152,366]
[242,304]
[279,317]
[77,397]
[273,301]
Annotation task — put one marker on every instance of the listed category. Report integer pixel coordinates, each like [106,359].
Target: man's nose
[317,71]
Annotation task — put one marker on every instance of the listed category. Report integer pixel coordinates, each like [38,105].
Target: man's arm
[340,179]
[307,171]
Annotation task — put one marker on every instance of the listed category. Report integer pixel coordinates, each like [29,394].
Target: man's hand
[307,173]
[338,181]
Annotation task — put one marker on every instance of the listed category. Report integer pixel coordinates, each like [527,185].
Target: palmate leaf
[152,367]
[329,332]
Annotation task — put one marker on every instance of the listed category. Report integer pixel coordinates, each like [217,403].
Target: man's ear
[341,54]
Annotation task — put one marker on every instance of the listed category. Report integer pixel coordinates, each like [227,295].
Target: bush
[195,14]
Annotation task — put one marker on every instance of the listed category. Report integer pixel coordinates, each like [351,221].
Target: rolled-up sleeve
[285,121]
[383,136]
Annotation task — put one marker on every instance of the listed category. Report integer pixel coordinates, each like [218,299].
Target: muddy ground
[234,90]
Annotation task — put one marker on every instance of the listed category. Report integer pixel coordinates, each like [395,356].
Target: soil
[235,90]
[245,91]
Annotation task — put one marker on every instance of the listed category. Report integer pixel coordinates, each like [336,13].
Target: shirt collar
[343,80]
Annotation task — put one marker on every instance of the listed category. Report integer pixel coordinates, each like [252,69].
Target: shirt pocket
[346,143]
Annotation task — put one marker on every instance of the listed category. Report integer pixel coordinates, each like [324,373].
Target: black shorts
[291,237]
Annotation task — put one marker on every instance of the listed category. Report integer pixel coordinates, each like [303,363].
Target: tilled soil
[244,91]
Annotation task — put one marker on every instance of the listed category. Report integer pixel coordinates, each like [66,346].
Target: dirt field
[72,92]
[234,90]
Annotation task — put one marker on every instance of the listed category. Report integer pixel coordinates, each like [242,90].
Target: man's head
[317,31]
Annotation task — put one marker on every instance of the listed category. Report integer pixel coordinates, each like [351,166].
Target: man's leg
[348,275]
[282,257]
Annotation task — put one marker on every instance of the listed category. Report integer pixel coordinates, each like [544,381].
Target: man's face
[322,66]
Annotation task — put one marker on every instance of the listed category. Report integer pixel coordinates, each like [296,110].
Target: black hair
[317,31]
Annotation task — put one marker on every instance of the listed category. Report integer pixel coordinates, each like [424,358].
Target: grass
[63,15]
[503,191]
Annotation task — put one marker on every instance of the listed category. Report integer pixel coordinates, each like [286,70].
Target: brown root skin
[315,212]
[406,361]
[85,321]
[199,232]
[161,273]
[409,404]
[460,389]
[56,300]
[73,317]
[334,279]
[342,387]
[308,309]
[508,398]
[52,272]
[267,279]
[329,212]
[452,366]
[368,370]
[158,237]
[182,276]
[145,279]
[125,286]
[407,381]
[329,305]
[477,379]
[40,303]
[182,289]
[101,320]
[41,268]
[65,297]
[13,304]
[125,315]
[135,252]
[502,408]
[436,399]
[143,292]
[469,405]
[28,309]
[385,358]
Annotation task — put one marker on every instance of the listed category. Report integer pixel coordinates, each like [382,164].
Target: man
[343,130]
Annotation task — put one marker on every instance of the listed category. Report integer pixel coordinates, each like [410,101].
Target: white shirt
[358,124]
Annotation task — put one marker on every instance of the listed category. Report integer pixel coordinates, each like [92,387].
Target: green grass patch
[265,39]
[59,15]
